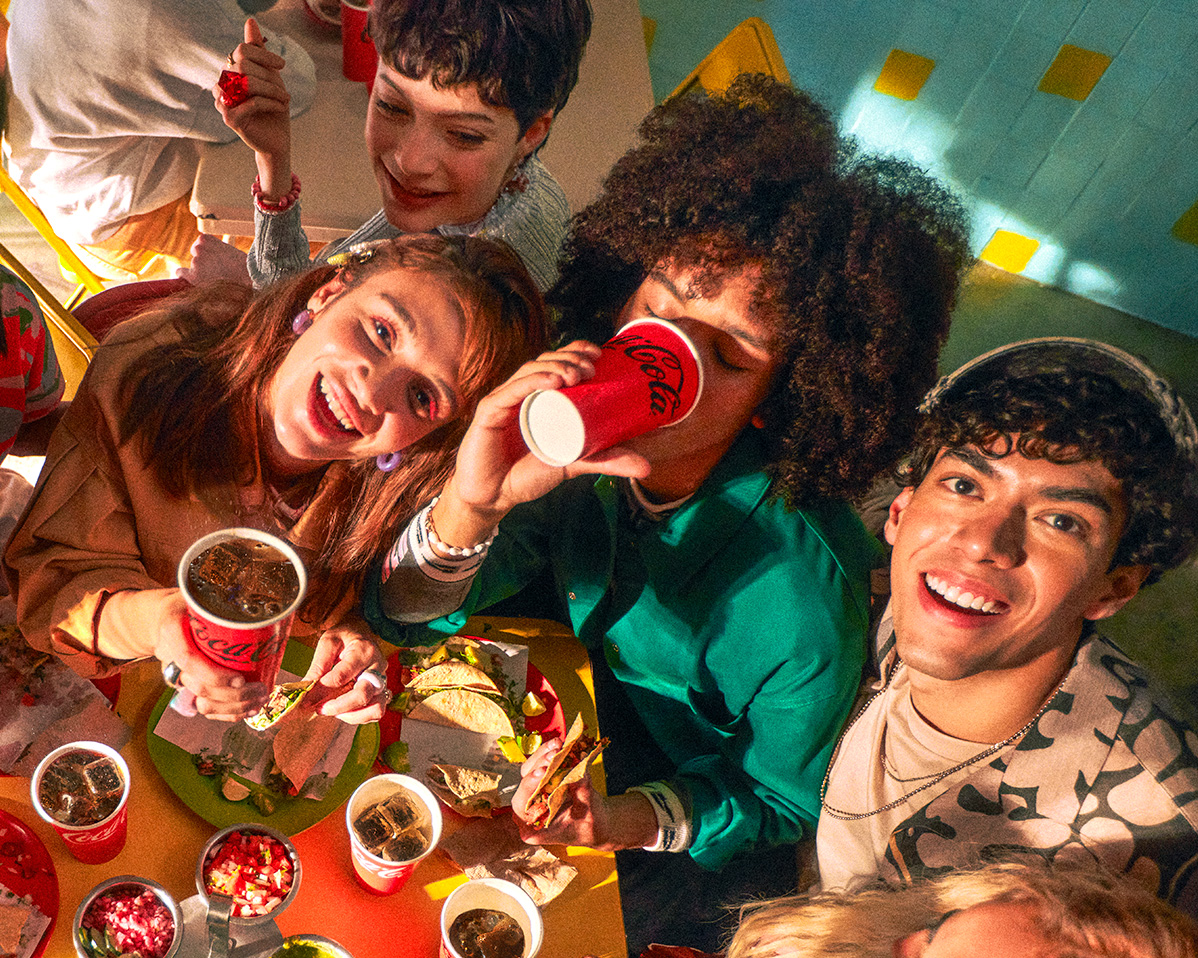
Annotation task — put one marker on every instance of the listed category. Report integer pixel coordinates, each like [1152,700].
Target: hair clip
[357,254]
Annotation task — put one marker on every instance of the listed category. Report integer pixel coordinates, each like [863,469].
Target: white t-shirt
[849,853]
[110,97]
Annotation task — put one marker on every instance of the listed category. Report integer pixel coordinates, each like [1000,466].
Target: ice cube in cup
[81,787]
[243,580]
[487,933]
[394,822]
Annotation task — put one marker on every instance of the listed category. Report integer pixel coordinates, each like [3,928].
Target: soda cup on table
[82,790]
[394,822]
[359,58]
[242,588]
[648,376]
[498,911]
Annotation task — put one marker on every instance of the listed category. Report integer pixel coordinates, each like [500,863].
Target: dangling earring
[386,461]
[303,319]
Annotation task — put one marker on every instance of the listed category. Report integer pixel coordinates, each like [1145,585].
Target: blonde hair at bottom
[1084,910]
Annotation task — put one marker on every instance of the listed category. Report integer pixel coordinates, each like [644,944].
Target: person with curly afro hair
[713,570]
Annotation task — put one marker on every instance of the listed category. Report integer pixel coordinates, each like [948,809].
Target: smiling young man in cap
[1051,480]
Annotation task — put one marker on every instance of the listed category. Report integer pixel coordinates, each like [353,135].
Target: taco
[462,708]
[568,766]
[468,791]
[301,742]
[283,698]
[452,675]
[460,650]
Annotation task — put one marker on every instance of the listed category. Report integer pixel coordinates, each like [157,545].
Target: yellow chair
[73,268]
[749,48]
[73,345]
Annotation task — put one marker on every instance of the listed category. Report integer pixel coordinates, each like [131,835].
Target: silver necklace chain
[931,779]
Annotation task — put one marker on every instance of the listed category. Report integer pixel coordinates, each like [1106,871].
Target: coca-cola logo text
[661,367]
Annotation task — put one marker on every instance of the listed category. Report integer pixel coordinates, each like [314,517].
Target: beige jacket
[100,523]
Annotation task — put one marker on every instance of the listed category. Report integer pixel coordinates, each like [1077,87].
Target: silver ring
[171,673]
[376,678]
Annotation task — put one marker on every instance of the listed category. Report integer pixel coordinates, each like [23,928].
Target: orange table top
[165,838]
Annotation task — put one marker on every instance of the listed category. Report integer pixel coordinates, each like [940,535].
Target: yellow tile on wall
[1186,228]
[904,74]
[1010,251]
[1074,72]
[649,25]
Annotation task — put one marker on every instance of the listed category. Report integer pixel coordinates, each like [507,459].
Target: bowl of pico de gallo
[255,867]
[128,915]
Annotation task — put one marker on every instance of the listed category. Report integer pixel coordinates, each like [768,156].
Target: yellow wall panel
[1074,72]
[1010,251]
[904,74]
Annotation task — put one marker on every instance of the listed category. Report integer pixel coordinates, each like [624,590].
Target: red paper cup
[99,841]
[359,59]
[648,376]
[252,648]
[496,895]
[380,875]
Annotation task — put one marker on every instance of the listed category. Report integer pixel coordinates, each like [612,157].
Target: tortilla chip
[461,708]
[13,916]
[468,791]
[302,739]
[549,796]
[452,675]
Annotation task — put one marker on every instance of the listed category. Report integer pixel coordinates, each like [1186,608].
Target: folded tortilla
[462,708]
[568,766]
[302,739]
[468,791]
[452,675]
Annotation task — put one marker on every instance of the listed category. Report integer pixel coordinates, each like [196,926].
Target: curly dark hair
[1066,416]
[523,54]
[859,257]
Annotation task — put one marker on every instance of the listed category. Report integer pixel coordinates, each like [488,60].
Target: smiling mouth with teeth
[956,596]
[335,407]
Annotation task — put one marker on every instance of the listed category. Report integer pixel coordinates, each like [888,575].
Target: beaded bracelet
[442,546]
[276,206]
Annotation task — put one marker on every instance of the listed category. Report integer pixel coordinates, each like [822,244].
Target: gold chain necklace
[932,779]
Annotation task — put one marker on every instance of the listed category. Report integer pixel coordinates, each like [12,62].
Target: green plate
[201,793]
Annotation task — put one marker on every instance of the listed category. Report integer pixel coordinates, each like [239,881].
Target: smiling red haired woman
[219,409]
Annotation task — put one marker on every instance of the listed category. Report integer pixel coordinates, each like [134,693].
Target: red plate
[26,869]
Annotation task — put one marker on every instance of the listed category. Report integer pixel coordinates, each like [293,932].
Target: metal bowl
[219,839]
[131,883]
[327,948]
[325,12]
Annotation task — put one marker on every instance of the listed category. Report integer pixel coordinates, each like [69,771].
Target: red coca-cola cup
[239,616]
[82,790]
[648,377]
[394,823]
[359,59]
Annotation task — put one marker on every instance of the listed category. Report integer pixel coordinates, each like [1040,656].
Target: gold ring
[229,58]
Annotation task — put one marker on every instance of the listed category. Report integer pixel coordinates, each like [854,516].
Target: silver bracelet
[438,543]
[673,824]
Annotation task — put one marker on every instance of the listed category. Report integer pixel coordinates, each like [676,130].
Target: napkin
[491,848]
[45,704]
[22,925]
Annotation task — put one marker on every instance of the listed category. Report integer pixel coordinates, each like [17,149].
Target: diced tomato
[246,866]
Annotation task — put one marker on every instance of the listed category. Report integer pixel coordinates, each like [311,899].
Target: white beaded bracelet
[444,547]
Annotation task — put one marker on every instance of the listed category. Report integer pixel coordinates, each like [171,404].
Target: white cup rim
[536,924]
[106,750]
[238,532]
[412,785]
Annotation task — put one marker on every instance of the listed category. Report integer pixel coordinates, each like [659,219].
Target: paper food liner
[491,848]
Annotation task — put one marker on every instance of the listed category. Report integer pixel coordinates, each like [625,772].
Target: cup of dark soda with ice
[242,588]
[82,790]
